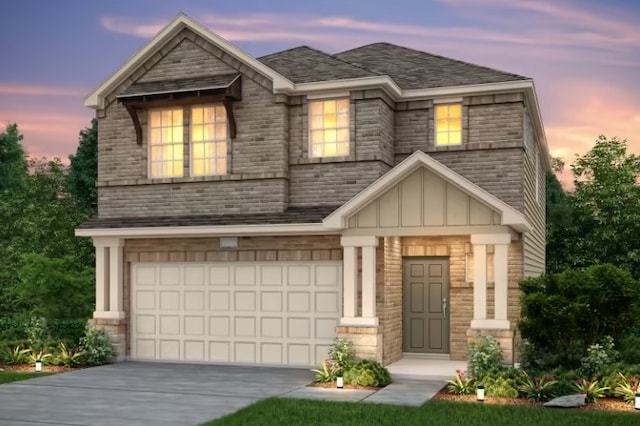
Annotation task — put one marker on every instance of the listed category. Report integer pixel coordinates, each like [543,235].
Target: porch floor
[425,368]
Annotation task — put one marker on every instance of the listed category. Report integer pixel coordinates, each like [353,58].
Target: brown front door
[425,305]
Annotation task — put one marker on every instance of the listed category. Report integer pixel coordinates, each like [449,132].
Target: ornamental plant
[17,355]
[461,384]
[484,356]
[342,354]
[537,388]
[591,389]
[96,345]
[328,373]
[627,387]
[68,357]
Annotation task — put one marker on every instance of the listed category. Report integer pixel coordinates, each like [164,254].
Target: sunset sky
[584,55]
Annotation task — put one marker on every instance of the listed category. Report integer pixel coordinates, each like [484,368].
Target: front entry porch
[427,367]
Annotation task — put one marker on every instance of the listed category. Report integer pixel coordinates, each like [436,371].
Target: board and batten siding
[423,199]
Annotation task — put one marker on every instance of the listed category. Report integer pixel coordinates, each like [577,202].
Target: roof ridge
[328,55]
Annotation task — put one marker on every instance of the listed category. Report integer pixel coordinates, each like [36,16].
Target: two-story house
[252,209]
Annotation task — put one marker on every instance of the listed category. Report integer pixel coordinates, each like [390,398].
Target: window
[165,143]
[329,128]
[469,264]
[208,140]
[448,124]
[207,137]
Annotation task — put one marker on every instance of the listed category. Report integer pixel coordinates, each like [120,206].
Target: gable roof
[510,216]
[304,65]
[414,69]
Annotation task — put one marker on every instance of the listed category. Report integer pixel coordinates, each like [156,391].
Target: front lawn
[277,411]
[14,376]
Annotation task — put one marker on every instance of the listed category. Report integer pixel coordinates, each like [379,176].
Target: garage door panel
[194,350]
[271,353]
[245,327]
[169,300]
[194,300]
[169,275]
[271,301]
[194,325]
[327,302]
[298,302]
[271,327]
[220,351]
[239,312]
[220,275]
[169,349]
[219,326]
[299,328]
[299,354]
[271,275]
[245,352]
[146,324]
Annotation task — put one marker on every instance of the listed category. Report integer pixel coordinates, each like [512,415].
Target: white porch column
[368,245]
[350,281]
[500,272]
[109,278]
[102,277]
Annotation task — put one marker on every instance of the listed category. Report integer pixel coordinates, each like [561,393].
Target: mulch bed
[602,404]
[31,368]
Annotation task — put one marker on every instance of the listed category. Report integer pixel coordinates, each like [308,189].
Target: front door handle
[444,307]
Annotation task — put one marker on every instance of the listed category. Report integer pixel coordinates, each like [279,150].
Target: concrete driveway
[134,393]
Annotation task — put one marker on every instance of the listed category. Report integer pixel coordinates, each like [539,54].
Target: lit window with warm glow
[165,143]
[329,128]
[448,124]
[208,140]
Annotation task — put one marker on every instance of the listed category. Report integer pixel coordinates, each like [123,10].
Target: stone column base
[504,337]
[367,341]
[117,330]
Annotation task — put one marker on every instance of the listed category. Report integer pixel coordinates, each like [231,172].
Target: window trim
[318,99]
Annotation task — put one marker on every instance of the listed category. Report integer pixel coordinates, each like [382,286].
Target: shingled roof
[409,68]
[305,65]
[313,214]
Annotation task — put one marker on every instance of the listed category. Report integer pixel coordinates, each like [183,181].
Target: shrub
[329,372]
[37,332]
[342,354]
[96,346]
[367,373]
[629,345]
[501,383]
[599,356]
[43,356]
[68,357]
[627,387]
[16,355]
[484,356]
[562,314]
[461,384]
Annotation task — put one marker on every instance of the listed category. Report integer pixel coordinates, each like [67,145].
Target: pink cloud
[10,88]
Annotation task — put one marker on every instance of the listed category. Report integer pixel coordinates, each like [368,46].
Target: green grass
[15,376]
[276,411]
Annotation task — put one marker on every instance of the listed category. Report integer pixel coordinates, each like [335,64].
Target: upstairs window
[208,140]
[329,128]
[165,143]
[448,124]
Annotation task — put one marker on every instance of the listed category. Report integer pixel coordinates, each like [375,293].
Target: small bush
[599,356]
[367,373]
[539,388]
[96,346]
[67,356]
[16,355]
[461,384]
[592,389]
[342,354]
[328,373]
[484,356]
[501,383]
[627,387]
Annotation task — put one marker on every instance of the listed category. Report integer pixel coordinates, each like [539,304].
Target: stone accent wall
[390,306]
[118,332]
[367,341]
[298,248]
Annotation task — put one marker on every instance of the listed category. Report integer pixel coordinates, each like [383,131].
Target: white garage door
[248,313]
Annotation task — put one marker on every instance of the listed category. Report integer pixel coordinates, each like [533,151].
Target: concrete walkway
[133,393]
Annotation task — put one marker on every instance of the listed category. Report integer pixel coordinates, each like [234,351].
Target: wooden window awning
[224,88]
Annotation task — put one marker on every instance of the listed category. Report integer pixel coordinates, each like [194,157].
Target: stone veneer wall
[298,248]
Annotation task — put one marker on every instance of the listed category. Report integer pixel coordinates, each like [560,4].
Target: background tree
[13,165]
[599,222]
[83,171]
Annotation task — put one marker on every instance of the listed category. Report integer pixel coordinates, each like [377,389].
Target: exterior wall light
[480,393]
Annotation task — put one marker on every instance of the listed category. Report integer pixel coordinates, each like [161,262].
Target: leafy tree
[83,171]
[13,165]
[599,222]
